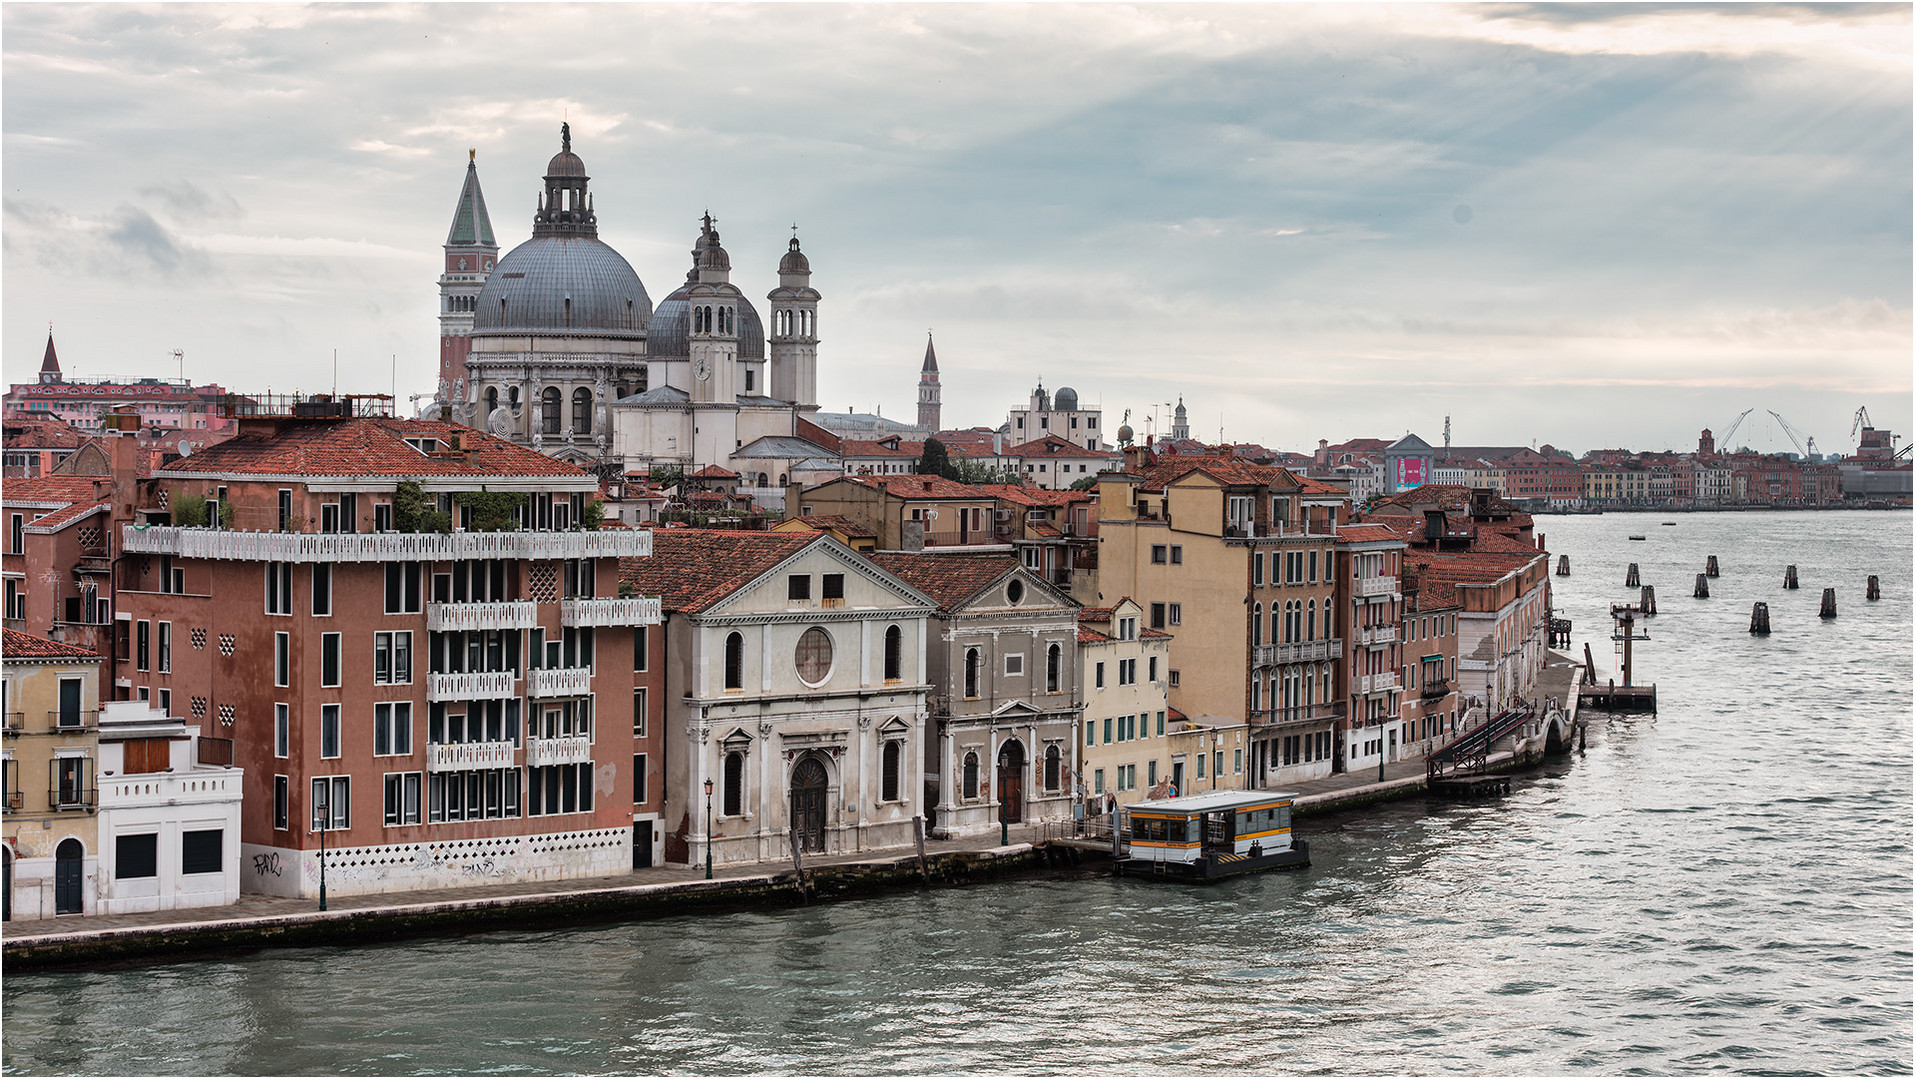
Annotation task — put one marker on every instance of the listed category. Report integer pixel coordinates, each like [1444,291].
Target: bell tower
[794,340]
[470,255]
[714,337]
[929,406]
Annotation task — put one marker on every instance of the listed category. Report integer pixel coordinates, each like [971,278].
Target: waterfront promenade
[261,921]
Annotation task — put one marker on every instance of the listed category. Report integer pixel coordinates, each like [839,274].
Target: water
[1723,888]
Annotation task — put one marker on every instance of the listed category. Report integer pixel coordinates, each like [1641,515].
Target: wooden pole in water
[1789,576]
[1589,667]
[1760,618]
[918,835]
[1703,586]
[1709,567]
[1563,566]
[1874,591]
[1648,601]
[1630,579]
[1829,604]
[798,862]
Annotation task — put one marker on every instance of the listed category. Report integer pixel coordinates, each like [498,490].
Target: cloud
[134,232]
[187,201]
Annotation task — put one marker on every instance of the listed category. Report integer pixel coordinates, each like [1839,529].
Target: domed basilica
[557,345]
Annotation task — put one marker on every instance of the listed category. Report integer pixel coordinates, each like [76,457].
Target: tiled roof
[1053,446]
[873,448]
[372,446]
[1319,487]
[23,646]
[918,486]
[65,516]
[1088,636]
[1228,470]
[949,579]
[715,472]
[1465,567]
[692,569]
[836,522]
[48,489]
[33,433]
[1367,534]
[1434,594]
[1037,496]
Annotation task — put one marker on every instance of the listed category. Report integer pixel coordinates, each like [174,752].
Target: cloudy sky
[1584,224]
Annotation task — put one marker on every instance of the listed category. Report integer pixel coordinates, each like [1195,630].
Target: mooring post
[918,835]
[1829,604]
[1709,567]
[1760,618]
[1649,600]
[798,862]
[1630,579]
[1874,591]
[1563,566]
[1703,586]
[1589,667]
[1583,735]
[1789,576]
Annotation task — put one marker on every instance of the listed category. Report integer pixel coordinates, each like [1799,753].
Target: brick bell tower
[929,404]
[470,255]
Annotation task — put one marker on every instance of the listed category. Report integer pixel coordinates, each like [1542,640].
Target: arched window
[549,410]
[1257,696]
[1310,622]
[971,673]
[734,784]
[1053,769]
[582,411]
[888,790]
[894,654]
[1275,636]
[1257,624]
[1053,668]
[735,662]
[512,396]
[763,480]
[492,399]
[971,775]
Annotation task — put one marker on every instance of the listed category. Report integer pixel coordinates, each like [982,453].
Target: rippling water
[1722,888]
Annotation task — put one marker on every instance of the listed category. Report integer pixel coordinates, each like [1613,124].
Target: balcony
[471,686]
[1377,635]
[1434,688]
[1378,683]
[184,788]
[491,615]
[1302,714]
[16,722]
[74,796]
[13,801]
[64,722]
[612,611]
[1377,586]
[382,547]
[1297,652]
[571,750]
[558,682]
[452,757]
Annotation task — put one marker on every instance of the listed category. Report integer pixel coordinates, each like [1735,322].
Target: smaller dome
[565,163]
[794,260]
[1125,433]
[1065,400]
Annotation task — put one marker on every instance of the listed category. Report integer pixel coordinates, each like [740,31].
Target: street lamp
[708,829]
[320,803]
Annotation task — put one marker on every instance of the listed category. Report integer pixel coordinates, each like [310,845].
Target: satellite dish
[185,448]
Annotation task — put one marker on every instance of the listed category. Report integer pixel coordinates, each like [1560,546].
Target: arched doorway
[1011,782]
[808,804]
[66,878]
[6,883]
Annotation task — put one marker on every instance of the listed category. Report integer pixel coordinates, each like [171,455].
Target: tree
[1085,483]
[189,510]
[934,461]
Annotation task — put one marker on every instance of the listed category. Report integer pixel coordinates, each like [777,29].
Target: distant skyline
[1590,225]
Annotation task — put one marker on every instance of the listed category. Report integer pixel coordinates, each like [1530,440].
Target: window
[1097,675]
[1160,721]
[401,802]
[1108,738]
[1128,629]
[970,788]
[638,779]
[382,517]
[200,851]
[1054,668]
[329,731]
[732,803]
[1177,554]
[322,588]
[392,728]
[136,856]
[282,658]
[1151,773]
[833,590]
[282,743]
[332,802]
[582,411]
[392,656]
[1014,663]
[888,787]
[1173,677]
[402,588]
[1158,553]
[1157,616]
[1091,733]
[143,650]
[549,400]
[735,661]
[329,659]
[285,509]
[971,673]
[329,517]
[1237,760]
[640,641]
[894,653]
[279,588]
[798,587]
[814,656]
[1313,566]
[16,534]
[1200,766]
[281,811]
[1257,569]
[1152,663]
[1128,672]
[1053,768]
[1177,614]
[1097,782]
[641,713]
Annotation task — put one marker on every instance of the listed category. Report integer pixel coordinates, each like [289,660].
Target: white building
[1056,414]
[169,813]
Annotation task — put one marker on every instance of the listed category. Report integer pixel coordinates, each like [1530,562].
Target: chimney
[1480,502]
[1134,458]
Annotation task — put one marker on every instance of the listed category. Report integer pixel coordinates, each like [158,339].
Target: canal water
[1722,888]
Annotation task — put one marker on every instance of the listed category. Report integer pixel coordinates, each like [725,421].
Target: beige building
[1125,747]
[51,756]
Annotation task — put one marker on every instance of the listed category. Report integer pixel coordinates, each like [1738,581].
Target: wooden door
[66,879]
[1011,787]
[808,804]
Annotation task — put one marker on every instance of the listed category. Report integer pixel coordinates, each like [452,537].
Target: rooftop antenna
[335,371]
[179,356]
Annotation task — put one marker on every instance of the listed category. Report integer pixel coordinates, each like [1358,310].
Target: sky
[1587,225]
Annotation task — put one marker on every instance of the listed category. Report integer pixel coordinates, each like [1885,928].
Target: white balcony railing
[612,611]
[449,757]
[1378,683]
[470,686]
[1376,586]
[570,750]
[558,682]
[382,547]
[489,615]
[1298,652]
[1377,635]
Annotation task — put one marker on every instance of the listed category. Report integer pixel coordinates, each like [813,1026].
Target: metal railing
[231,544]
[16,721]
[1434,688]
[84,720]
[1300,714]
[73,797]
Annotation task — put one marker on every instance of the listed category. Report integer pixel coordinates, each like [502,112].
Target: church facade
[557,345]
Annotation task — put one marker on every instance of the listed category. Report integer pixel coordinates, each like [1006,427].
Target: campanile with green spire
[470,255]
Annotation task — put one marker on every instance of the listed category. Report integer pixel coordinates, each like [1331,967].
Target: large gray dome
[529,289]
[670,333]
[1065,400]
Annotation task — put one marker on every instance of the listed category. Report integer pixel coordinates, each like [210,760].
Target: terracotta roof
[716,472]
[34,433]
[919,486]
[370,446]
[692,569]
[1319,487]
[1465,567]
[949,579]
[1096,614]
[22,646]
[835,522]
[1433,594]
[1367,534]
[66,515]
[861,448]
[1037,496]
[1053,446]
[1228,470]
[1088,636]
[48,489]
